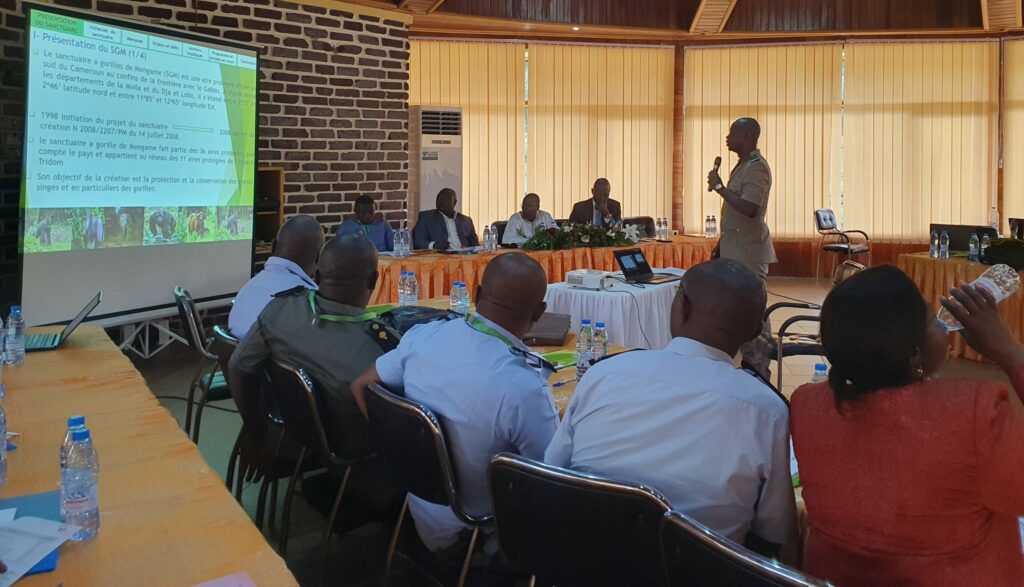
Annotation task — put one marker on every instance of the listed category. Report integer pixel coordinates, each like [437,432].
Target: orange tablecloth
[436,272]
[165,516]
[934,277]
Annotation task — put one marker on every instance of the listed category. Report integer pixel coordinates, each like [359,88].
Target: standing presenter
[744,234]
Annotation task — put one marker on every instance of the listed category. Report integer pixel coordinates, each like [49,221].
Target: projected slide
[135,139]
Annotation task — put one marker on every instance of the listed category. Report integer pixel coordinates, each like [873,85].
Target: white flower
[632,232]
[585,238]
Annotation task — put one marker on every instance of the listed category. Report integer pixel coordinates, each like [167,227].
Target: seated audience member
[366,223]
[712,438]
[292,262]
[522,224]
[908,480]
[600,209]
[488,399]
[327,333]
[443,228]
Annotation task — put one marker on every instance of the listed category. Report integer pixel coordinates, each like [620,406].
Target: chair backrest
[500,225]
[191,323]
[224,346]
[295,395]
[825,220]
[646,224]
[568,528]
[411,441]
[695,555]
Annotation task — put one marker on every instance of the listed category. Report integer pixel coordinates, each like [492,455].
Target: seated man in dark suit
[444,228]
[600,209]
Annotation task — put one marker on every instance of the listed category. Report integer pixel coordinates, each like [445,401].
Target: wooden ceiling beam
[437,4]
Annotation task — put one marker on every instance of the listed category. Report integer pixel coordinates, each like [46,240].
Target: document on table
[26,541]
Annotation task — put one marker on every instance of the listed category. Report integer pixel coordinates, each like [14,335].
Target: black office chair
[838,241]
[501,225]
[301,409]
[645,223]
[568,528]
[208,378]
[694,555]
[412,443]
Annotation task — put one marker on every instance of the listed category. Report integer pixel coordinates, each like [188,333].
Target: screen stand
[137,337]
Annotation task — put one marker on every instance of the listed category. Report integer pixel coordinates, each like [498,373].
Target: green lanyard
[366,229]
[364,317]
[476,324]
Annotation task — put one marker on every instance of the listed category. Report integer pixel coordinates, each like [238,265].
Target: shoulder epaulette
[298,289]
[385,338]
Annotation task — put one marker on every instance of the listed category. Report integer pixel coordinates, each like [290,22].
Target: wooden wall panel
[635,13]
[849,15]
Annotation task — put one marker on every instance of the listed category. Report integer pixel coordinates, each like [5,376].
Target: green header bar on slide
[58,23]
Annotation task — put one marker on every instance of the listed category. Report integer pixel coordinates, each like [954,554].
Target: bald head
[347,272]
[743,136]
[299,240]
[530,207]
[720,303]
[511,292]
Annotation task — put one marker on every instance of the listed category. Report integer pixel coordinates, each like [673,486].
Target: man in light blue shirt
[294,258]
[712,438]
[472,374]
[367,224]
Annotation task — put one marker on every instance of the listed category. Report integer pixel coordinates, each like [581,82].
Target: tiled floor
[357,558]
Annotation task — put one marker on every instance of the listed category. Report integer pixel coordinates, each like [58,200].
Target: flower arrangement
[571,236]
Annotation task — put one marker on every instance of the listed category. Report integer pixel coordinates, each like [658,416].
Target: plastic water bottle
[973,252]
[403,289]
[933,247]
[986,242]
[707,226]
[463,306]
[993,218]
[3,439]
[1000,280]
[944,245]
[15,350]
[714,225]
[584,348]
[453,298]
[79,501]
[400,242]
[820,373]
[600,343]
[412,289]
[74,423]
[487,238]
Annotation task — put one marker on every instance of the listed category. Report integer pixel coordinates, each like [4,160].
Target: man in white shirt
[293,261]
[522,224]
[713,439]
[473,375]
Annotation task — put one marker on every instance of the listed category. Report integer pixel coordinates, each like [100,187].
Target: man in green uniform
[745,235]
[328,333]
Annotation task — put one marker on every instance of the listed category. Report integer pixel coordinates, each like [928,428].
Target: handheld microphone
[718,163]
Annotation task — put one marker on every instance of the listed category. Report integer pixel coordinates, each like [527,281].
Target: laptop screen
[633,263]
[95,301]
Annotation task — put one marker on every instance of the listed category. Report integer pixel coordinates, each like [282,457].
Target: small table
[636,316]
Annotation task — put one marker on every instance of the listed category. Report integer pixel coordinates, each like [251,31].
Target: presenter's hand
[602,207]
[714,179]
[442,246]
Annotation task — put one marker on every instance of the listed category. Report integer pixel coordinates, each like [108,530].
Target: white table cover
[635,316]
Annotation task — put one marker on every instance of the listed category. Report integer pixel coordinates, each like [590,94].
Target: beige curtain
[487,80]
[795,94]
[1013,131]
[601,112]
[920,136]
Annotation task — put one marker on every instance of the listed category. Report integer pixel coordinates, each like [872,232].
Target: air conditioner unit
[435,149]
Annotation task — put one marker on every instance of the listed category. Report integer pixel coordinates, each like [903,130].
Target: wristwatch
[718,187]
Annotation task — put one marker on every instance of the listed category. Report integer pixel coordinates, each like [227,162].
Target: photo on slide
[122,227]
[49,229]
[234,223]
[160,226]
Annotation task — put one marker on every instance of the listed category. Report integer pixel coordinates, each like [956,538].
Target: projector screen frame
[112,318]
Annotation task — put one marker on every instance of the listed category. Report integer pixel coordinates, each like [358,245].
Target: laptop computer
[50,341]
[635,268]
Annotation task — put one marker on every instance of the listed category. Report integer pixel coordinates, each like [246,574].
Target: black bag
[1008,251]
[403,318]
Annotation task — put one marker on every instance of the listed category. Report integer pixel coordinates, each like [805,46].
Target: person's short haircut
[752,126]
[872,326]
[531,196]
[364,202]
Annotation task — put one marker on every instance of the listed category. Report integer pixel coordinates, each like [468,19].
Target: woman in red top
[910,481]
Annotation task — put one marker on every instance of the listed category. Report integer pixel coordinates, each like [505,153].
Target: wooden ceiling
[698,20]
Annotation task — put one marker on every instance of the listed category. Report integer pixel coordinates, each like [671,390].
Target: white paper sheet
[26,541]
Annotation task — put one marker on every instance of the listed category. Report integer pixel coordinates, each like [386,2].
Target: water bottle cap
[75,421]
[15,309]
[821,367]
[600,324]
[79,435]
[586,321]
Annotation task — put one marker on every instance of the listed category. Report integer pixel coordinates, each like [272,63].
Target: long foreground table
[166,518]
[934,277]
[436,272]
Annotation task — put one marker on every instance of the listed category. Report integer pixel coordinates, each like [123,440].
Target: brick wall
[333,102]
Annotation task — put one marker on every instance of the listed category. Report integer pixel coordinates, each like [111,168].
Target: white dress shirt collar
[282,265]
[683,346]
